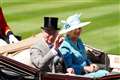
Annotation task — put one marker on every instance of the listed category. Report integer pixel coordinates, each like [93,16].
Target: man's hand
[88,69]
[12,39]
[94,66]
[58,41]
[70,71]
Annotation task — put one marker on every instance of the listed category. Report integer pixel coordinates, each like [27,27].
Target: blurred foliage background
[25,17]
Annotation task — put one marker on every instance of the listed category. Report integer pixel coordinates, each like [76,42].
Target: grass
[25,18]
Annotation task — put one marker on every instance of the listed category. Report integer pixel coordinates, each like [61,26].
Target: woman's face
[75,33]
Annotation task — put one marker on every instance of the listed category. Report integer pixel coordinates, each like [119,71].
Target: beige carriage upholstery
[21,45]
[115,62]
[23,57]
[8,64]
[20,51]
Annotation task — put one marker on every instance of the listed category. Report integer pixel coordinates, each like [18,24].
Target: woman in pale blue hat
[72,48]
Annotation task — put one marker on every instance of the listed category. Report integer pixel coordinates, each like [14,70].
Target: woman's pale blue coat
[74,55]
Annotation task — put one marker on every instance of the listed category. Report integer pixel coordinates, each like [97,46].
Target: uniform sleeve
[3,24]
[67,56]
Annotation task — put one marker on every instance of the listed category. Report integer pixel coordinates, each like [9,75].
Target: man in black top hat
[43,52]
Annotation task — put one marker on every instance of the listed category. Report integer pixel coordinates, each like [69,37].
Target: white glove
[12,39]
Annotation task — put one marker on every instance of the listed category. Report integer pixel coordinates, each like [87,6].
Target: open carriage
[15,70]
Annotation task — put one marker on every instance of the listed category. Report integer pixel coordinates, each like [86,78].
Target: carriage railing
[13,65]
[8,65]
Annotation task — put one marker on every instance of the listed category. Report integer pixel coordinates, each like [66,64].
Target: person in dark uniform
[5,32]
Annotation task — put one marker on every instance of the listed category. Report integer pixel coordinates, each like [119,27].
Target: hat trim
[50,28]
[73,27]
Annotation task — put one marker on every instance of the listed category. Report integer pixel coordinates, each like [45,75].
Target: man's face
[50,35]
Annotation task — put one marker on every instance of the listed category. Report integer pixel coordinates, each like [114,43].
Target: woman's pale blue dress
[74,54]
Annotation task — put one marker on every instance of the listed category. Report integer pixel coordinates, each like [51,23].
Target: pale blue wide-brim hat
[73,22]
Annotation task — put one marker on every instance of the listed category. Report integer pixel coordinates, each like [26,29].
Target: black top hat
[50,23]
